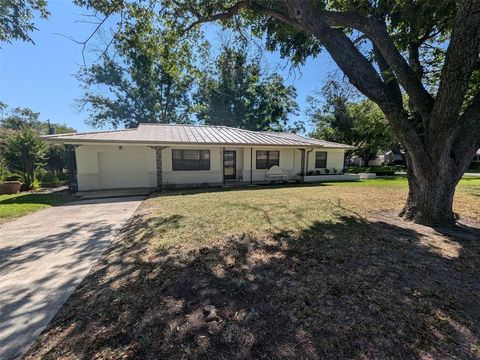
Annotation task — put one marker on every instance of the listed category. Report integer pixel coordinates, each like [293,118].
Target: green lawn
[323,271]
[198,217]
[16,205]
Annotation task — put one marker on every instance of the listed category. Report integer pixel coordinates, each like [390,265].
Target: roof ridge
[88,132]
[196,125]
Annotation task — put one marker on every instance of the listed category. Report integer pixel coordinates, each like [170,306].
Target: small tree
[18,119]
[24,154]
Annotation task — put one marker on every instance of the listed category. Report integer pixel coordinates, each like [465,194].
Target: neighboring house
[157,155]
[476,157]
[388,158]
[359,161]
[476,160]
[395,157]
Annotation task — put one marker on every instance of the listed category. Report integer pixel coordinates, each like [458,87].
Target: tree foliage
[359,123]
[18,120]
[16,18]
[24,154]
[234,92]
[147,77]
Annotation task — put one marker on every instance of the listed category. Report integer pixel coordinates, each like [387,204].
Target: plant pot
[10,187]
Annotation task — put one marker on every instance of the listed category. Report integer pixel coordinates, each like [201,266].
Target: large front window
[190,160]
[320,159]
[267,159]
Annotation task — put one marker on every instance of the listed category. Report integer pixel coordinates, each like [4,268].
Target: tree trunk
[430,203]
[430,196]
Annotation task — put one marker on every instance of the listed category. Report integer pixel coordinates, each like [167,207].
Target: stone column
[302,163]
[158,161]
[71,165]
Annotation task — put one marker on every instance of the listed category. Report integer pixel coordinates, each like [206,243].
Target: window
[190,160]
[320,159]
[267,159]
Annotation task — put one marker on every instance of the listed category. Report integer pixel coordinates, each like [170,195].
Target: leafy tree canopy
[147,77]
[359,123]
[234,92]
[16,18]
[20,118]
[17,121]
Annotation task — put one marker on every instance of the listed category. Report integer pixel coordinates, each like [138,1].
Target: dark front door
[230,165]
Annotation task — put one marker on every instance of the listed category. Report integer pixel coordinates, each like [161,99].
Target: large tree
[234,91]
[384,48]
[146,77]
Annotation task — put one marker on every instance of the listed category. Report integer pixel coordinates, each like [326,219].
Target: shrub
[62,176]
[49,180]
[379,170]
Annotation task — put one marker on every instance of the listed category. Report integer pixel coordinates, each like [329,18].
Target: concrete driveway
[44,256]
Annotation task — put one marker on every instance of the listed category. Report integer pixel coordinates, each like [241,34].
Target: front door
[230,165]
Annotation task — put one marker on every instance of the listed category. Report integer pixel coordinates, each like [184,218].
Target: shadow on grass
[346,290]
[204,190]
[48,199]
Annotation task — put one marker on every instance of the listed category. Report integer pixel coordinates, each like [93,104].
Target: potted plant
[11,185]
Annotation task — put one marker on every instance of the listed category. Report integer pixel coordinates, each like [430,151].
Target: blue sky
[41,76]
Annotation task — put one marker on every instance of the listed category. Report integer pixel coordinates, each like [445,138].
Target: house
[476,160]
[356,160]
[476,157]
[158,155]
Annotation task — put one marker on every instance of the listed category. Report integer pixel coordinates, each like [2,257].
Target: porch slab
[114,193]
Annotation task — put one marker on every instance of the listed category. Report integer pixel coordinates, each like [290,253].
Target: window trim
[200,151]
[268,164]
[326,158]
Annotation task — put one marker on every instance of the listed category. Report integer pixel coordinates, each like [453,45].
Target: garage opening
[122,169]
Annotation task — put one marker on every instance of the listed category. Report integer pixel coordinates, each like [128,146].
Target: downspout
[251,165]
[223,165]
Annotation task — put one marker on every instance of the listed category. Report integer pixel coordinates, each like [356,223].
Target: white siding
[289,162]
[335,159]
[212,176]
[108,166]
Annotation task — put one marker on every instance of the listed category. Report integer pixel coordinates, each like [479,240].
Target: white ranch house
[157,155]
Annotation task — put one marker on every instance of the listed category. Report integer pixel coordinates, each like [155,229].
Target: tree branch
[461,60]
[467,137]
[227,14]
[378,34]
[388,76]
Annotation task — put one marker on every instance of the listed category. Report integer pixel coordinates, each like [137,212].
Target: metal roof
[193,134]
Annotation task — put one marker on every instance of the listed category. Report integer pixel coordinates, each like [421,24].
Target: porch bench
[275,174]
[277,177]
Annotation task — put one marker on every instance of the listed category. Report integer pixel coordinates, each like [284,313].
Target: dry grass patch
[309,272]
